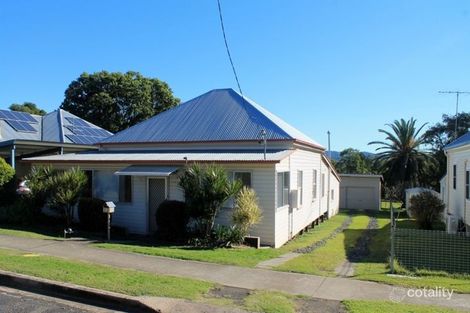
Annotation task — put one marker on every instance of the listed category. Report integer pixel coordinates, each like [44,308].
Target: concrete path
[271,263]
[250,278]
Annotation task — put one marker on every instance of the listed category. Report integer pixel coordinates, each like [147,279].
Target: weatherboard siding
[455,198]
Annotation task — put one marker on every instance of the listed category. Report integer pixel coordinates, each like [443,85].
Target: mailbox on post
[108,208]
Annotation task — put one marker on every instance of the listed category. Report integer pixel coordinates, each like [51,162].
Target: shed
[360,191]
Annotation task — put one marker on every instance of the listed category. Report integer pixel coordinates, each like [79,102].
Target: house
[361,191]
[25,135]
[455,186]
[140,167]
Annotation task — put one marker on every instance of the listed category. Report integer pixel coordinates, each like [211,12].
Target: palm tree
[401,160]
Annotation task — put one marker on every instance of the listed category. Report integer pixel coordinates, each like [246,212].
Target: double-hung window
[314,185]
[283,189]
[300,186]
[454,174]
[467,184]
[125,188]
[244,177]
[323,185]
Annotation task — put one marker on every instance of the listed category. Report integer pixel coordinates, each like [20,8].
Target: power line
[226,47]
[457,93]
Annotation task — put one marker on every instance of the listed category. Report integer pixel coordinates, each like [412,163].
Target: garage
[360,191]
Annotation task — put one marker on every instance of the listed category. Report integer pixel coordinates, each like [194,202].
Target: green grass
[129,282]
[363,306]
[375,267]
[242,256]
[270,302]
[24,233]
[324,260]
[385,205]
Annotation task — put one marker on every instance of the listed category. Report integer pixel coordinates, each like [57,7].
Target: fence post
[392,238]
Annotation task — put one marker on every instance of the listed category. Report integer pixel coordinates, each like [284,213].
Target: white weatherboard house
[455,186]
[140,167]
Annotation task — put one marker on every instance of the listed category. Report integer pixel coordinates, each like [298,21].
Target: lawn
[243,256]
[324,260]
[128,282]
[385,205]
[375,266]
[270,302]
[25,233]
[362,306]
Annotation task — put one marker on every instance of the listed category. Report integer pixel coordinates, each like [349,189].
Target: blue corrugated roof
[462,140]
[218,115]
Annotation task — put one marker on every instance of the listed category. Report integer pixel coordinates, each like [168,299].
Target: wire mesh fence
[432,250]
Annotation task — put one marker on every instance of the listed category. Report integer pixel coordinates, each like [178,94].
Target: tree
[437,137]
[401,160]
[27,107]
[6,172]
[116,101]
[206,188]
[65,190]
[353,161]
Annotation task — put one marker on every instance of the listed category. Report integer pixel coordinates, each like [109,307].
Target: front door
[156,194]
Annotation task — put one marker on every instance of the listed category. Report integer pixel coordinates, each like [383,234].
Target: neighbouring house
[140,167]
[24,135]
[455,186]
[360,191]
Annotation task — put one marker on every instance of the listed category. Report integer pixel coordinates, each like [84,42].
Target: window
[125,188]
[322,185]
[332,194]
[314,185]
[300,186]
[282,189]
[244,177]
[467,184]
[454,170]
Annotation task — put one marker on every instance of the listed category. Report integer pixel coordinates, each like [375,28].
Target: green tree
[206,188]
[39,183]
[401,160]
[427,209]
[65,190]
[6,172]
[27,107]
[437,137]
[353,161]
[116,101]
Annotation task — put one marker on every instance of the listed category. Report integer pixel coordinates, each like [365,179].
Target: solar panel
[77,122]
[17,116]
[88,131]
[84,140]
[21,126]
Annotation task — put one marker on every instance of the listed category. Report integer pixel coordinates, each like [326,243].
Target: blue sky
[345,66]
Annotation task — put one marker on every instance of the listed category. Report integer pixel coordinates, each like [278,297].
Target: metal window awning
[137,170]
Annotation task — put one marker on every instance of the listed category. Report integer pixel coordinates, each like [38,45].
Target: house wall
[360,192]
[456,205]
[302,215]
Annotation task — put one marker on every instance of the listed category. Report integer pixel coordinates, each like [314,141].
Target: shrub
[246,212]
[426,208]
[207,187]
[64,191]
[17,213]
[224,236]
[6,172]
[90,213]
[172,218]
[39,184]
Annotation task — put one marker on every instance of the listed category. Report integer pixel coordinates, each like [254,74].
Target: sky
[348,67]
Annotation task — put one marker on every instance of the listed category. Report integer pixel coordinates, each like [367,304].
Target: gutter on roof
[150,162]
[43,143]
[189,141]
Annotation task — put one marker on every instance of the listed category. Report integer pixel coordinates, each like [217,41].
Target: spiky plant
[401,160]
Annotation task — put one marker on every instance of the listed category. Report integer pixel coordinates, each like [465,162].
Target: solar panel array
[20,121]
[83,133]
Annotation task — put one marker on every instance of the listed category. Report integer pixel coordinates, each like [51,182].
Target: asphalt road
[16,301]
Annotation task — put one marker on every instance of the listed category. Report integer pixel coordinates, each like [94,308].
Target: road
[16,301]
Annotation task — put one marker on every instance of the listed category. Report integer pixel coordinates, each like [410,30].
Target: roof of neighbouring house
[57,126]
[217,116]
[461,141]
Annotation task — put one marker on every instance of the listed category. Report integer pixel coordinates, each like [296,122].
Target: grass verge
[324,260]
[270,302]
[242,256]
[128,282]
[363,306]
[24,233]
